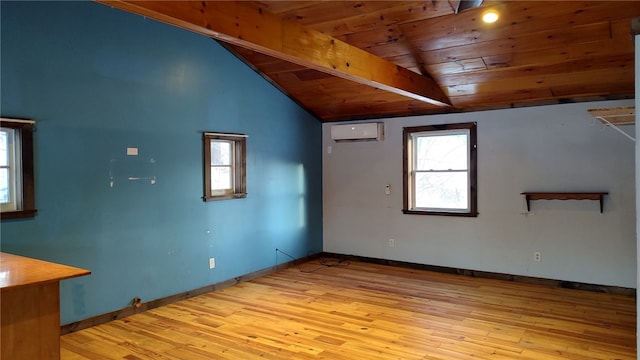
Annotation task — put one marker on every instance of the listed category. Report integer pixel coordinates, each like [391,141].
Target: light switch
[132,151]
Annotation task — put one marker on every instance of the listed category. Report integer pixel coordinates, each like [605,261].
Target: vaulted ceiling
[345,60]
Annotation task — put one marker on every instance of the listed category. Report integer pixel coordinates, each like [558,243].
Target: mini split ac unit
[358,132]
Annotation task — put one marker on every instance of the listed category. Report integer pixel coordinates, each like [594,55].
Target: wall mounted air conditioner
[358,132]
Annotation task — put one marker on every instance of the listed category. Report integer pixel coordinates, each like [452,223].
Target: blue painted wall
[98,80]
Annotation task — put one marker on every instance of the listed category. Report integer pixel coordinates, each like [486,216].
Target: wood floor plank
[369,311]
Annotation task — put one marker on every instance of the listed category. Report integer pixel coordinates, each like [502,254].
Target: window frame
[25,197]
[238,165]
[409,174]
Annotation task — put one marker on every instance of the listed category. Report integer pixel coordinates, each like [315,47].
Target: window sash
[416,171]
[221,184]
[431,199]
[12,170]
[451,148]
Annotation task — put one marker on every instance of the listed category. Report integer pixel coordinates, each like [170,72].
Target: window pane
[4,186]
[220,178]
[220,152]
[443,190]
[443,152]
[4,147]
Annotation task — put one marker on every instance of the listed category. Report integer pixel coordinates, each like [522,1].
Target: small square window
[224,166]
[17,198]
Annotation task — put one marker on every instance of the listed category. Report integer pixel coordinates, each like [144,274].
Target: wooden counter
[30,307]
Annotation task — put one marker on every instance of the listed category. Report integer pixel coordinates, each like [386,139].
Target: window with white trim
[224,166]
[440,176]
[17,198]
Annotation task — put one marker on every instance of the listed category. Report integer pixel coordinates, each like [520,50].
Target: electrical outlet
[392,242]
[537,257]
[212,263]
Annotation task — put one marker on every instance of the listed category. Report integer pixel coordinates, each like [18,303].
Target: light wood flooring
[368,311]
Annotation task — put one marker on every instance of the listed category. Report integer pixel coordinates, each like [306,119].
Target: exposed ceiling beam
[252,27]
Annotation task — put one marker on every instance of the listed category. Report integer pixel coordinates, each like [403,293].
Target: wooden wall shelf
[598,196]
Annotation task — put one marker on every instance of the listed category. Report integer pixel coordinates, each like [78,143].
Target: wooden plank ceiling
[346,60]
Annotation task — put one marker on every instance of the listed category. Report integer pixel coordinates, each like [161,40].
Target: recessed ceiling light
[490,16]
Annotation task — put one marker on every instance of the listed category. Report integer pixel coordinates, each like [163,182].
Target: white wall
[550,148]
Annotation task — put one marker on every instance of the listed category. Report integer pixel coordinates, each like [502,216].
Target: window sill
[439,213]
[22,214]
[226,197]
